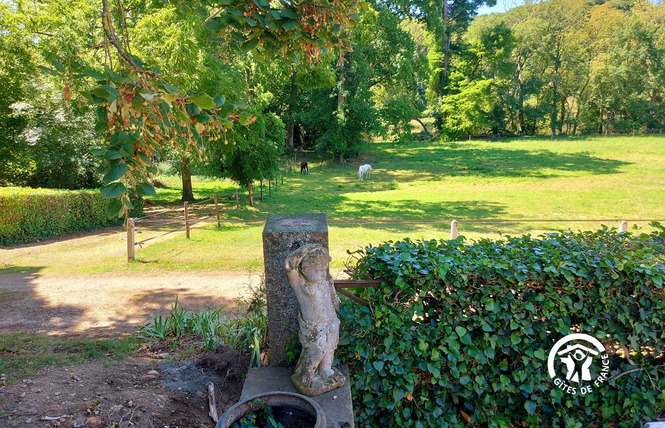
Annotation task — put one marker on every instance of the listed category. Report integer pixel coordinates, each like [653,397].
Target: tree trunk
[521,91]
[251,197]
[186,174]
[421,124]
[562,115]
[340,91]
[292,101]
[446,45]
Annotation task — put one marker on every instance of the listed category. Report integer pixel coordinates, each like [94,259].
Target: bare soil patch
[139,391]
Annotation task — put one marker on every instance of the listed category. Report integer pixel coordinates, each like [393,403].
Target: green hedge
[459,334]
[34,214]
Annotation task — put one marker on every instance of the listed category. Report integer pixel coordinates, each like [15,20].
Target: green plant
[34,214]
[247,332]
[24,355]
[461,331]
[261,418]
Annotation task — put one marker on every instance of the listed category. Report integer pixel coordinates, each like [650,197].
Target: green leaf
[378,365]
[50,71]
[461,331]
[58,66]
[290,25]
[249,45]
[113,154]
[107,92]
[213,25]
[114,190]
[94,74]
[146,189]
[540,354]
[116,172]
[530,407]
[203,117]
[98,152]
[203,101]
[114,209]
[219,100]
[288,13]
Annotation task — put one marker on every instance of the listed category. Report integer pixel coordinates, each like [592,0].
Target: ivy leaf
[530,407]
[114,190]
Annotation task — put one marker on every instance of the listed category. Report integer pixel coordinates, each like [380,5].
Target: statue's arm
[293,260]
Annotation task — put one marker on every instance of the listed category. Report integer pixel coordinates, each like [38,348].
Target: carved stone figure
[307,270]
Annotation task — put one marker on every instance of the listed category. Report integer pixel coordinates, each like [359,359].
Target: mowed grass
[22,355]
[415,191]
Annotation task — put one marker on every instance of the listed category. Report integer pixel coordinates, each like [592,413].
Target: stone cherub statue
[307,270]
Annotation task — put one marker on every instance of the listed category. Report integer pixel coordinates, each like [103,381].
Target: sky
[501,6]
[504,5]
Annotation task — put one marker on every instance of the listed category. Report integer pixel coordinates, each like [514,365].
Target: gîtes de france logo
[572,361]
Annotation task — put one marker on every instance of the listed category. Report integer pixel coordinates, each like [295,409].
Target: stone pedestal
[336,404]
[282,235]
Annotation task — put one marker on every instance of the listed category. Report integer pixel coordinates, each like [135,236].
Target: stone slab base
[336,404]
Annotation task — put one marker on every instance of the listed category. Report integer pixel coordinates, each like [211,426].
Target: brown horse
[304,168]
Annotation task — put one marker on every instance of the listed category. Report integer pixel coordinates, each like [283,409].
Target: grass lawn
[566,180]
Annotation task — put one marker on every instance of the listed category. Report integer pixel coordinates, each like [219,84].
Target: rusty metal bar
[356,299]
[358,283]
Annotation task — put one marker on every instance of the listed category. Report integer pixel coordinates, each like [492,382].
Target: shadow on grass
[455,159]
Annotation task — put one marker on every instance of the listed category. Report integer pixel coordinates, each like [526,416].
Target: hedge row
[34,214]
[459,334]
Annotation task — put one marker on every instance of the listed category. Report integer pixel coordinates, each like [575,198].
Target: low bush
[34,214]
[459,333]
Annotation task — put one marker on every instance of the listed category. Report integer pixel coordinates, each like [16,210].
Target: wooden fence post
[187,219]
[453,229]
[261,189]
[214,196]
[130,240]
[623,227]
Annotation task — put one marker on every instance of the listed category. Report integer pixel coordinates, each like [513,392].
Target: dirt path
[109,304]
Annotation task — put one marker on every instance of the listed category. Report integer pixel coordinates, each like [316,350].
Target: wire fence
[186,222]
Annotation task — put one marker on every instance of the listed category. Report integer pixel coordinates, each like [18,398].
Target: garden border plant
[459,332]
[34,214]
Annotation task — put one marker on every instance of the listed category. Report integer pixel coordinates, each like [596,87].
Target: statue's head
[314,265]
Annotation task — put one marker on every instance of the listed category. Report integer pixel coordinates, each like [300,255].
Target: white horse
[364,169]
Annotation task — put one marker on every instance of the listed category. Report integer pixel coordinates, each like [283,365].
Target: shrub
[33,214]
[459,333]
